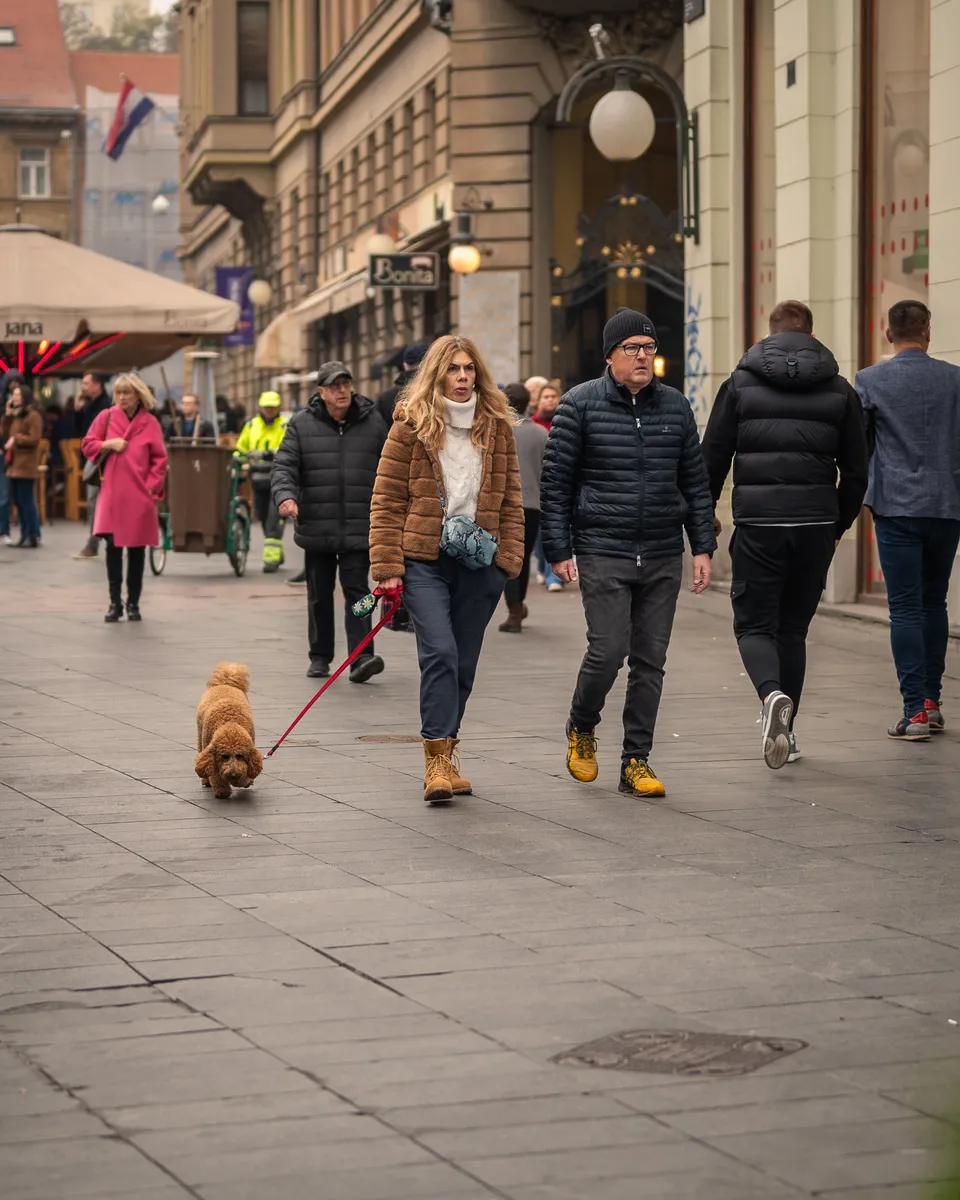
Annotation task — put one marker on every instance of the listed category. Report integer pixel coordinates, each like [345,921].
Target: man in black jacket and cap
[623,476]
[790,423]
[323,477]
[413,356]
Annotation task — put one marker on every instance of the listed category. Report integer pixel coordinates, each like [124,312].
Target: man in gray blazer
[911,405]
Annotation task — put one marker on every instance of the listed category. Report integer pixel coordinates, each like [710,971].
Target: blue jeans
[917,556]
[450,607]
[22,495]
[4,498]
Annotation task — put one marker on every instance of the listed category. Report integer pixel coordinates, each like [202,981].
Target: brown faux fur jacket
[406,516]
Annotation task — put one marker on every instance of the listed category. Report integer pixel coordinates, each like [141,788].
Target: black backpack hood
[791,362]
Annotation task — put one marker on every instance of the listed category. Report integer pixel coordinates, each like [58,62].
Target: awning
[335,296]
[280,346]
[53,291]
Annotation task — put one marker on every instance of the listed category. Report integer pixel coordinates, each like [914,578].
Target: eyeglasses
[632,349]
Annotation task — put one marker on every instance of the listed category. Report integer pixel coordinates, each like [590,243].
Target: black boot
[133,611]
[114,612]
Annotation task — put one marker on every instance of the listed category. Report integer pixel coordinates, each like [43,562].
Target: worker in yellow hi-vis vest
[259,441]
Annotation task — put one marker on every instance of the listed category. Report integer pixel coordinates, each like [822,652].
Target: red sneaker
[912,729]
[934,716]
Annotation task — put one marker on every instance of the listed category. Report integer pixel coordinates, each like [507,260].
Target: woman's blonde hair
[133,383]
[421,404]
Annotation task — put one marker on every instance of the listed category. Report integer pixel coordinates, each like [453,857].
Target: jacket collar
[360,408]
[620,393]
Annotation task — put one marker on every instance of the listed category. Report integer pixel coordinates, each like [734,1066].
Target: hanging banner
[233,283]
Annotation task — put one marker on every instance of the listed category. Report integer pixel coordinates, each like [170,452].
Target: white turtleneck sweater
[460,460]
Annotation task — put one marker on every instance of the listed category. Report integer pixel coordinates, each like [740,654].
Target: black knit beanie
[625,323]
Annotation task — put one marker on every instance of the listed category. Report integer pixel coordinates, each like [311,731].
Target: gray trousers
[629,611]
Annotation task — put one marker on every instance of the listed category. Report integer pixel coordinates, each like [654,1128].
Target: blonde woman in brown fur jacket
[452,436]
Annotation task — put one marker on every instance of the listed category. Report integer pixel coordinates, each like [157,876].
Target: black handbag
[92,473]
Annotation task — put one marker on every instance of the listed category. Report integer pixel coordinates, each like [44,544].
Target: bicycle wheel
[158,559]
[240,547]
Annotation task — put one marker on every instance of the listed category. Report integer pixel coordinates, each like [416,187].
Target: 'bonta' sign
[406,272]
[25,330]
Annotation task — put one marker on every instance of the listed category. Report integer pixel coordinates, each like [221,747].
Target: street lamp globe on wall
[160,205]
[381,243]
[464,257]
[260,293]
[622,124]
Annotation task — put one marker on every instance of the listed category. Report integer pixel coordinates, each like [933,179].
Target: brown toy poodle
[227,757]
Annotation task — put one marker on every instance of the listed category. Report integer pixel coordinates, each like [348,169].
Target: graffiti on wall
[695,366]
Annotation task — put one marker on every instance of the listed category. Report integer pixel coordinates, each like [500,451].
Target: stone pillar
[817,118]
[944,298]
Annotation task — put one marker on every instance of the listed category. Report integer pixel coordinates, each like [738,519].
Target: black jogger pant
[779,573]
[321,568]
[136,557]
[516,589]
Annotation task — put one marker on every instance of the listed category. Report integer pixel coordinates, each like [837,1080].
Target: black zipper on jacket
[343,499]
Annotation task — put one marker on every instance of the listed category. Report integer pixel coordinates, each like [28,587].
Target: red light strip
[4,366]
[81,351]
[53,349]
[21,357]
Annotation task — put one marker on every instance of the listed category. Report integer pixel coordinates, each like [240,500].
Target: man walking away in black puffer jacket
[323,477]
[789,422]
[623,476]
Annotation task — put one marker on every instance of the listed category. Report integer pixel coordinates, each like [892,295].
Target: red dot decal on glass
[916,203]
[883,210]
[926,200]
[926,280]
[903,206]
[872,289]
[916,242]
[882,285]
[903,243]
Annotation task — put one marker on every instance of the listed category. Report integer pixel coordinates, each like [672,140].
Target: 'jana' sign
[406,272]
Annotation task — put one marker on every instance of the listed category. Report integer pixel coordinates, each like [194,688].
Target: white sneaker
[7,540]
[775,724]
[541,578]
[794,748]
[555,587]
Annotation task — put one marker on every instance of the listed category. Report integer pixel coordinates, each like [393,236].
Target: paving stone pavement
[322,989]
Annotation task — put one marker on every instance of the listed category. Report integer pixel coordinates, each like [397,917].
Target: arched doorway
[614,241]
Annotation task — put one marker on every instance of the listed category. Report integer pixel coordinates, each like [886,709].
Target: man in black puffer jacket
[793,423]
[323,477]
[623,476]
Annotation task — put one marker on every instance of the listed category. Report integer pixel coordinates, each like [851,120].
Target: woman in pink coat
[128,441]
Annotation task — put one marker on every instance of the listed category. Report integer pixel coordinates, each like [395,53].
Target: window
[34,173]
[295,237]
[8,35]
[430,132]
[761,183]
[407,160]
[389,162]
[253,54]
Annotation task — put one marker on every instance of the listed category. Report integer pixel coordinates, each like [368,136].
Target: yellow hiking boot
[581,754]
[437,784]
[637,779]
[461,786]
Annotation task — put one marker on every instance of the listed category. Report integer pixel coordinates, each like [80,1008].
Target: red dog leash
[393,603]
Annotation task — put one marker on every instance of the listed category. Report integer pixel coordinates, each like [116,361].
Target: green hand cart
[204,512]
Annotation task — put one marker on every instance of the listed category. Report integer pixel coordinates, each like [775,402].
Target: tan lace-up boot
[461,786]
[438,769]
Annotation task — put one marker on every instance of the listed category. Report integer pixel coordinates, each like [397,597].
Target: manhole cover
[680,1052]
[387,737]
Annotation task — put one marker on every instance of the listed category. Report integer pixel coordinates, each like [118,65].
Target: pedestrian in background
[547,405]
[534,386]
[450,463]
[623,477]
[259,441]
[22,431]
[412,358]
[531,440]
[548,398]
[912,409]
[128,442]
[323,477]
[792,427]
[6,387]
[92,399]
[187,423]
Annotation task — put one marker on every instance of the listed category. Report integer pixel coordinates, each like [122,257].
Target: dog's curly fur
[226,757]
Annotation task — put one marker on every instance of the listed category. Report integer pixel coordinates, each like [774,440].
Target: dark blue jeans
[4,498]
[22,495]
[450,607]
[917,556]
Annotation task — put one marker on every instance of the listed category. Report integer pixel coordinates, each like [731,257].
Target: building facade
[41,126]
[309,128]
[830,173]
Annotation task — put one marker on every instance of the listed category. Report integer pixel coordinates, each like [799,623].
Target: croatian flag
[133,108]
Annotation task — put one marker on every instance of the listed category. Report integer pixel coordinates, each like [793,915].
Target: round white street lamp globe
[464,258]
[909,159]
[260,293]
[622,123]
[160,205]
[380,243]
